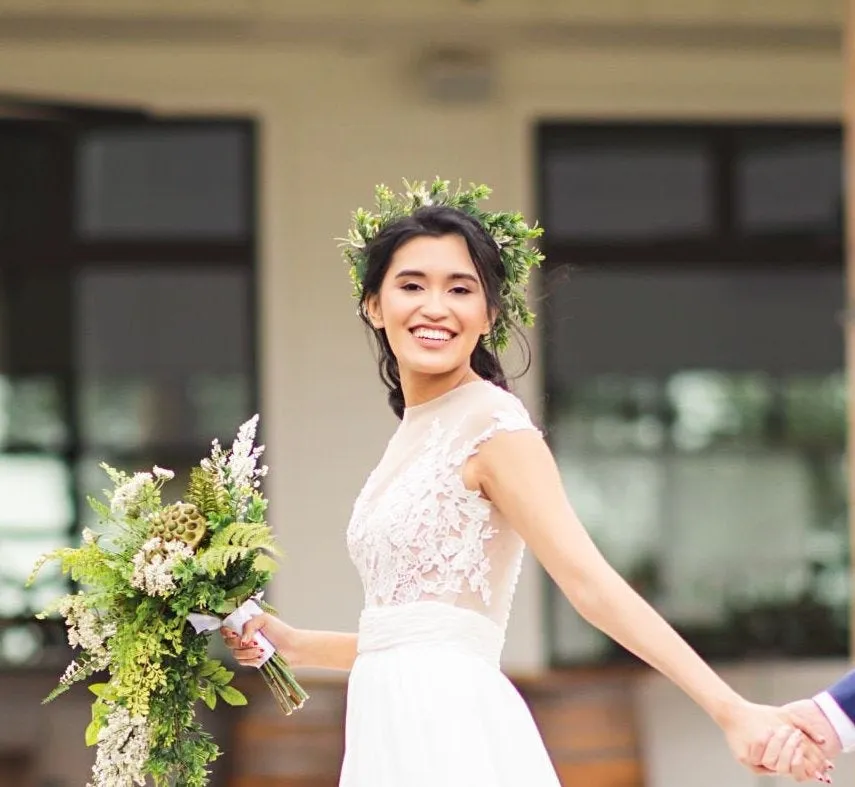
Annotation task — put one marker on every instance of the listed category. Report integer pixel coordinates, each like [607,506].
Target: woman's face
[431,305]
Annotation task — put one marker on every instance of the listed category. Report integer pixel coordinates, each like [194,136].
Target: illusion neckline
[437,400]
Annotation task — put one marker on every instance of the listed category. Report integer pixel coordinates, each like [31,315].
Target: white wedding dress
[427,705]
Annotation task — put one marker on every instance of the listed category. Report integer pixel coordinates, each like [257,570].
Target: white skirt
[427,705]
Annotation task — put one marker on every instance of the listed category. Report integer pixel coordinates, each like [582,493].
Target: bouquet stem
[289,694]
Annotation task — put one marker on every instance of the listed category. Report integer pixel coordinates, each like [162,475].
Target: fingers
[816,736]
[780,749]
[756,751]
[247,655]
[801,759]
[791,756]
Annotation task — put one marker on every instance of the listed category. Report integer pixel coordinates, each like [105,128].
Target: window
[128,239]
[696,389]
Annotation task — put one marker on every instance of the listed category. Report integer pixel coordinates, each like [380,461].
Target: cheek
[394,308]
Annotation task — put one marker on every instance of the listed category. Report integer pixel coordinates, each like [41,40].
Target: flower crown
[508,230]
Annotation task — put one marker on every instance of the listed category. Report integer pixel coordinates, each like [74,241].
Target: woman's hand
[750,729]
[245,647]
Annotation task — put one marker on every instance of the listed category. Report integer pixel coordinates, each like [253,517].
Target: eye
[460,290]
[411,286]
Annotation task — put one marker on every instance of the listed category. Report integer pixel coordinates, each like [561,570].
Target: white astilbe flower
[86,629]
[163,473]
[123,749]
[70,673]
[154,563]
[128,494]
[89,536]
[241,463]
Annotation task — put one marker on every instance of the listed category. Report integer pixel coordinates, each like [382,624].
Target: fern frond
[88,564]
[251,535]
[207,493]
[215,561]
[233,543]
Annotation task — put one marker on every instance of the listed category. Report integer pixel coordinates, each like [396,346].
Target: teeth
[428,333]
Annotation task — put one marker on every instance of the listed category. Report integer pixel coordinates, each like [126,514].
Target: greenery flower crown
[509,231]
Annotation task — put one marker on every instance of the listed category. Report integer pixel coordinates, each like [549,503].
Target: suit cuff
[843,725]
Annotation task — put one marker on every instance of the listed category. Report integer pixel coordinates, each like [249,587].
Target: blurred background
[173,176]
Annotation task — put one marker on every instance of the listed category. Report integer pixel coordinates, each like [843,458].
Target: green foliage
[130,617]
[509,230]
[233,543]
[88,565]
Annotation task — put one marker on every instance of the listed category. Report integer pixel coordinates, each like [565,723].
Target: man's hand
[750,729]
[784,753]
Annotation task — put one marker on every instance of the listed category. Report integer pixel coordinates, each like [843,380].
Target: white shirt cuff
[843,725]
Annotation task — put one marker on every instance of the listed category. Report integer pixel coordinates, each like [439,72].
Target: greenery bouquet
[152,582]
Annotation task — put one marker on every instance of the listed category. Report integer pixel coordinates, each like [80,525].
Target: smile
[432,334]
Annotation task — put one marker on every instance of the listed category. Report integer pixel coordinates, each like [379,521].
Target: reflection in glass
[20,554]
[163,182]
[19,644]
[32,413]
[629,192]
[36,494]
[732,521]
[157,365]
[790,186]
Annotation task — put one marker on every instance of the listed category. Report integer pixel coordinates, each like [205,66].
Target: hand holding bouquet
[150,573]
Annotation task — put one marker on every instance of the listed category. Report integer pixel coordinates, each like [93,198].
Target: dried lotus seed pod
[181,521]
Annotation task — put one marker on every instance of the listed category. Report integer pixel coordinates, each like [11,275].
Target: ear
[492,314]
[372,309]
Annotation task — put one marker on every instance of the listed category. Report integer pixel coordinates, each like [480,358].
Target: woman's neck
[421,388]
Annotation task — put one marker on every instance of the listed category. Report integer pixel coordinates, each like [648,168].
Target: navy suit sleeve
[843,693]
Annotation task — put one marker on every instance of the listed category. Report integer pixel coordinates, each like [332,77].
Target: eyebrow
[460,275]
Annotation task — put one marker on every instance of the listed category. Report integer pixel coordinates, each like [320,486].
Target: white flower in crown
[419,197]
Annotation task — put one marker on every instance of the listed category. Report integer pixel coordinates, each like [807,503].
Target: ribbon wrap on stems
[277,674]
[236,621]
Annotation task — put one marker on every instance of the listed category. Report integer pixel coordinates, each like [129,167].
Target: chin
[431,366]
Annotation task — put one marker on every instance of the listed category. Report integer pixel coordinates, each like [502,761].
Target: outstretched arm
[517,473]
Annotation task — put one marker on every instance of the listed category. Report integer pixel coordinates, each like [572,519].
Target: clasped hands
[795,740]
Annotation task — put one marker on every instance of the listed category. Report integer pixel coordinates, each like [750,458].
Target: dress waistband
[422,622]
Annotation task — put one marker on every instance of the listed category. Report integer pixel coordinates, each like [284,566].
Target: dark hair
[436,222]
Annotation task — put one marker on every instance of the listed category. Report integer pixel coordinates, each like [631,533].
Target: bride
[438,531]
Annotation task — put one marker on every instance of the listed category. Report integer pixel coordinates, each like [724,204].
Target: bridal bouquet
[153,582]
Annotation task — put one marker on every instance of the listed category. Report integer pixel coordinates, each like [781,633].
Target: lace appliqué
[424,535]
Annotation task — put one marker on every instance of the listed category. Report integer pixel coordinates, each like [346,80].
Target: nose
[434,307]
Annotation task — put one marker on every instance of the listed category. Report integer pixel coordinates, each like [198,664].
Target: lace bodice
[417,533]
